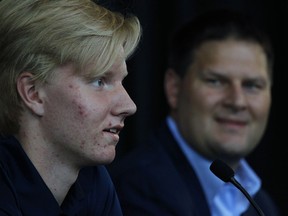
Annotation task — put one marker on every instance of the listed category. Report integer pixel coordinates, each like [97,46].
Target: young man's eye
[98,82]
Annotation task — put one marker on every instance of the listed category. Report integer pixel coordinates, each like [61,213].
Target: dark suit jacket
[157,180]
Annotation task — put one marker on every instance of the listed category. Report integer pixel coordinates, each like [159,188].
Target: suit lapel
[185,171]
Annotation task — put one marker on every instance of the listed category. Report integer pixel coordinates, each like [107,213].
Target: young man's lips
[112,134]
[115,129]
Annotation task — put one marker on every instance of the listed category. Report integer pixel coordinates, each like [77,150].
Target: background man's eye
[213,81]
[253,86]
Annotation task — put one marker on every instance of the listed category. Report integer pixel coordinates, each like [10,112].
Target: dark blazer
[156,179]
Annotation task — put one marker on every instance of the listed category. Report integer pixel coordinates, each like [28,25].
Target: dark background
[146,68]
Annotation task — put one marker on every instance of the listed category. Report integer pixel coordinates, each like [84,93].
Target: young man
[62,105]
[218,87]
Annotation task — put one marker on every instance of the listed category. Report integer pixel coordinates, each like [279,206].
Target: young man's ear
[171,86]
[29,93]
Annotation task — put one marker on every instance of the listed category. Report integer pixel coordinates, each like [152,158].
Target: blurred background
[146,68]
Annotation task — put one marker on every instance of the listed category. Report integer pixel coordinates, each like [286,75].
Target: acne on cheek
[82,145]
[81,109]
[78,112]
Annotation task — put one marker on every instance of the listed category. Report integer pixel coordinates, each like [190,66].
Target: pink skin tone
[69,122]
[222,104]
[83,120]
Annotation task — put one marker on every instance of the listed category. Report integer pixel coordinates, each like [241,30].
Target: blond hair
[39,35]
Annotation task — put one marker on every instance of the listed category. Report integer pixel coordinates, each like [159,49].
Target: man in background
[218,87]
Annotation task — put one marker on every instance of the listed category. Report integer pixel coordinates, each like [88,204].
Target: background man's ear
[171,87]
[29,93]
